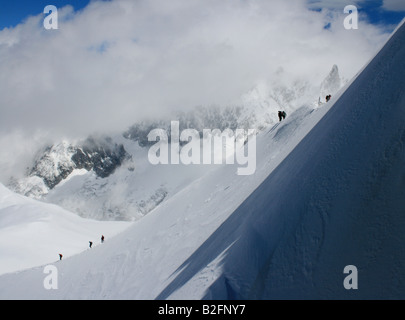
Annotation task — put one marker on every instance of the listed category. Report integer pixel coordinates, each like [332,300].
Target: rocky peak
[332,83]
[55,163]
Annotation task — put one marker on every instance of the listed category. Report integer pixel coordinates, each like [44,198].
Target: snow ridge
[336,200]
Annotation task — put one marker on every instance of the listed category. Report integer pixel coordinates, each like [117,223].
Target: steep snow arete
[328,192]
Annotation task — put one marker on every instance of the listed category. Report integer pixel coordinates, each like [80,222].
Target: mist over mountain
[98,177]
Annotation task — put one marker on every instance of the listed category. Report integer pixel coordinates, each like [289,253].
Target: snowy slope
[328,192]
[129,193]
[33,233]
[338,199]
[138,263]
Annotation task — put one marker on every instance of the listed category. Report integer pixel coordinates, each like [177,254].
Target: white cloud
[114,62]
[17,152]
[394,5]
[332,4]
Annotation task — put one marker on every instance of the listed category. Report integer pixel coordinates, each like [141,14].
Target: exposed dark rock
[58,161]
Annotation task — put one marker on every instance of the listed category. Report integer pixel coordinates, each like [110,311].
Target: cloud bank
[116,62]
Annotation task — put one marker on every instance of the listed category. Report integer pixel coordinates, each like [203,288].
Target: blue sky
[375,11]
[12,12]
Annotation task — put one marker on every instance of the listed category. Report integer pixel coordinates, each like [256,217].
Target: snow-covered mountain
[60,161]
[332,83]
[109,178]
[328,192]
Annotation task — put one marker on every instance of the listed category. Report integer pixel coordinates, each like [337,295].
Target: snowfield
[33,233]
[328,191]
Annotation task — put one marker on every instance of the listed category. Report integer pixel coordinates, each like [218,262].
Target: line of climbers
[282,115]
[90,245]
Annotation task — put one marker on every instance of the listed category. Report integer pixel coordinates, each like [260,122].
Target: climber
[281,115]
[328,97]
